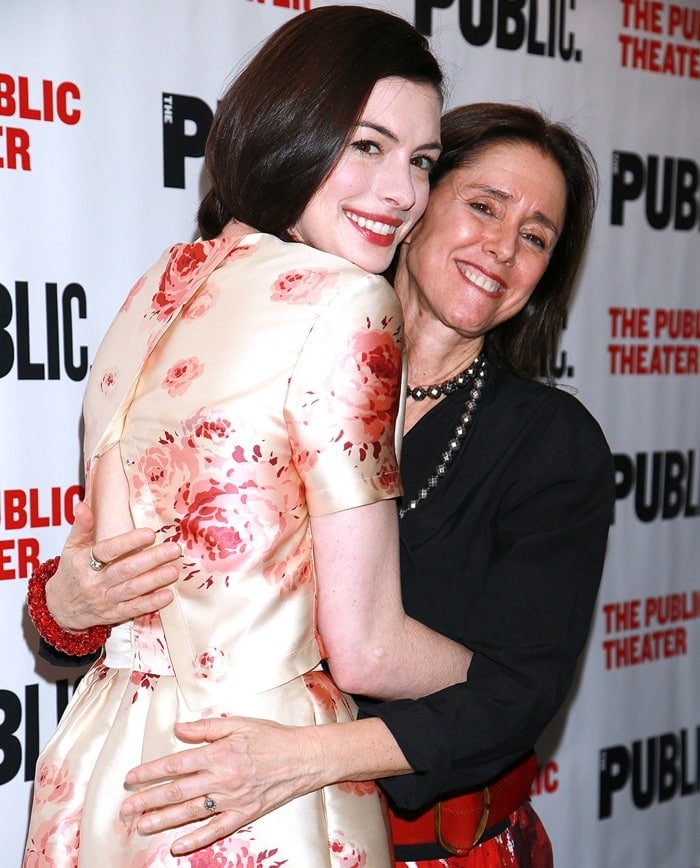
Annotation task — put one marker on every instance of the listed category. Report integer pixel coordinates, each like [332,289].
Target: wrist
[75,644]
[359,750]
[52,595]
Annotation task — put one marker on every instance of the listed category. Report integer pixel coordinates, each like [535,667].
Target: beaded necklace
[420,393]
[476,373]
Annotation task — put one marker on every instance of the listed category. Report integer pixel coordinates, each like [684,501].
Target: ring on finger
[96,563]
[209,804]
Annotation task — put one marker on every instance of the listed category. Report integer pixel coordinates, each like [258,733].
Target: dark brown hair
[528,342]
[281,126]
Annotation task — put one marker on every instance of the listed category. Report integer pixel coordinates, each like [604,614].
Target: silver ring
[209,804]
[95,563]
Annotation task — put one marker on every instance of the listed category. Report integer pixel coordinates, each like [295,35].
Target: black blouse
[505,556]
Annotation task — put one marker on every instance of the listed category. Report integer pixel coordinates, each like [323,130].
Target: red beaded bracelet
[76,644]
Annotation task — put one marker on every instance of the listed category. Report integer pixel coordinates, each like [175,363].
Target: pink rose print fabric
[135,290]
[181,374]
[200,304]
[175,279]
[211,664]
[345,854]
[302,287]
[237,851]
[363,388]
[360,788]
[353,405]
[245,384]
[53,784]
[54,843]
[366,382]
[108,381]
[229,505]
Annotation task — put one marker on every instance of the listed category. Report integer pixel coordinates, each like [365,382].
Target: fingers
[141,572]
[179,798]
[180,763]
[137,545]
[235,764]
[133,581]
[176,778]
[219,827]
[126,544]
[115,610]
[136,574]
[207,729]
[81,531]
[174,804]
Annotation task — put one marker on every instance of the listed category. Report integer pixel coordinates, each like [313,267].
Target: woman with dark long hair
[241,414]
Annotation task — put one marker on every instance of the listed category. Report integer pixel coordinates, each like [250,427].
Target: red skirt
[524,844]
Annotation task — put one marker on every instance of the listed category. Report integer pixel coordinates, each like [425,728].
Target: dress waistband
[140,647]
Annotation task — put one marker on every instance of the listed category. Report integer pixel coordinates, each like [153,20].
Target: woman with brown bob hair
[240,464]
[282,125]
[508,494]
[528,341]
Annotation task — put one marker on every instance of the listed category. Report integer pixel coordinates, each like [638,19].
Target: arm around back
[373,648]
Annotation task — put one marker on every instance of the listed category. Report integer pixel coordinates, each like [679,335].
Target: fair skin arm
[252,767]
[372,646]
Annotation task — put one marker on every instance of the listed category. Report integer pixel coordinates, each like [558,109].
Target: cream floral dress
[247,384]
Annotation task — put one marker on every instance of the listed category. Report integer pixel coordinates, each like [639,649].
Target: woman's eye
[364,146]
[481,207]
[424,162]
[535,239]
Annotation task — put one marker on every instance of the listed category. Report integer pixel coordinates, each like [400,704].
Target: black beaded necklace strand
[476,374]
[420,393]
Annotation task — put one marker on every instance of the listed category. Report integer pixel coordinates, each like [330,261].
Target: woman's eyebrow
[385,131]
[507,197]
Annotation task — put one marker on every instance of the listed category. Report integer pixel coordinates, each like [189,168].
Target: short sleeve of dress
[344,399]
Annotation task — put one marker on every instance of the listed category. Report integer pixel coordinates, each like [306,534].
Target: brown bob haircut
[528,342]
[281,126]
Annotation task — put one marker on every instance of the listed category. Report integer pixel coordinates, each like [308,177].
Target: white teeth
[373,225]
[481,280]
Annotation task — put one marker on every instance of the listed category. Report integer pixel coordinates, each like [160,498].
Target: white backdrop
[102,109]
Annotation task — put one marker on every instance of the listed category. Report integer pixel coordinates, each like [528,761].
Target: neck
[436,352]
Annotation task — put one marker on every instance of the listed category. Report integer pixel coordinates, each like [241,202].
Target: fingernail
[146,825]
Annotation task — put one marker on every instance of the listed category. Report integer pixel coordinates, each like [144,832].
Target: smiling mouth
[384,231]
[488,284]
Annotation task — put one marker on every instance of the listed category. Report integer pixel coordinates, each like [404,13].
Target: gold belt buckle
[480,829]
[484,819]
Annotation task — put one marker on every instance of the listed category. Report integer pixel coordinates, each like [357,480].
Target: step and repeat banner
[104,110]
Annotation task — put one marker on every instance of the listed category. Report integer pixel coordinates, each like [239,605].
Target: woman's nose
[396,186]
[502,244]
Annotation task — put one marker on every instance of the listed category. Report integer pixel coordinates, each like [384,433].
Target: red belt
[458,823]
